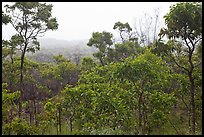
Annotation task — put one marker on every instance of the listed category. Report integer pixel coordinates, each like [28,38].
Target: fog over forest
[102,68]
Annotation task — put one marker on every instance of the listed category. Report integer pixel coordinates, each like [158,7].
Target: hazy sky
[77,20]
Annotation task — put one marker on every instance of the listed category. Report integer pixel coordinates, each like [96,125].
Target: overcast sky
[77,20]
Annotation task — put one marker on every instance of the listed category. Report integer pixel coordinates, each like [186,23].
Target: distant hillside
[70,49]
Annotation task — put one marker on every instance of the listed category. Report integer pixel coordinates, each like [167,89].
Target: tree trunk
[140,113]
[145,126]
[21,86]
[71,125]
[31,111]
[35,111]
[173,126]
[101,61]
[60,124]
[10,121]
[21,80]
[192,91]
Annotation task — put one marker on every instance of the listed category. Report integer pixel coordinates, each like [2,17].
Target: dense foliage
[125,89]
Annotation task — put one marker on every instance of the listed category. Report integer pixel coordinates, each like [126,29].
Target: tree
[104,102]
[149,76]
[129,45]
[5,18]
[102,41]
[30,19]
[124,30]
[146,29]
[11,45]
[65,71]
[126,49]
[184,22]
[87,63]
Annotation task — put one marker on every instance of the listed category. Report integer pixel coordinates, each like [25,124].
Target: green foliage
[102,41]
[19,127]
[134,90]
[5,18]
[87,64]
[35,19]
[124,30]
[184,23]
[8,101]
[100,99]
[122,27]
[184,20]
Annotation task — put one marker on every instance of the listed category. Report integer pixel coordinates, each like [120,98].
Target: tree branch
[179,65]
[198,64]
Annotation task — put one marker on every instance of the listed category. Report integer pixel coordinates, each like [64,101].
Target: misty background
[78,20]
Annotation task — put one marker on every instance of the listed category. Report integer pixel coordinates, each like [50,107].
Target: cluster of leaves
[106,95]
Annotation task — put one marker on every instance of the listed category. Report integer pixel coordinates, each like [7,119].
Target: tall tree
[147,28]
[30,19]
[102,41]
[124,30]
[129,45]
[184,22]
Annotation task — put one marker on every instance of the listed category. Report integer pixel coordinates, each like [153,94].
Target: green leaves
[5,18]
[184,20]
[7,97]
[52,24]
[122,27]
[87,64]
[33,19]
[102,41]
[124,30]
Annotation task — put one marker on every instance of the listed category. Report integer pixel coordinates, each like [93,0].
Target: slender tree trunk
[121,36]
[145,129]
[21,80]
[30,111]
[101,61]
[188,108]
[140,113]
[35,111]
[57,124]
[192,91]
[11,56]
[21,86]
[173,126]
[10,121]
[71,125]
[189,121]
[60,124]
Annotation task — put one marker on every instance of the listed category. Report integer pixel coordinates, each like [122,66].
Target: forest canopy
[127,87]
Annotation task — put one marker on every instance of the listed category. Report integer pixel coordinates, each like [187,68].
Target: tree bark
[21,85]
[21,79]
[70,120]
[192,91]
[101,61]
[140,113]
[60,124]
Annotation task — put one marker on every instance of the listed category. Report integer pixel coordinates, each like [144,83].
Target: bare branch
[187,44]
[193,44]
[198,40]
[31,32]
[17,17]
[178,64]
[40,31]
[198,64]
